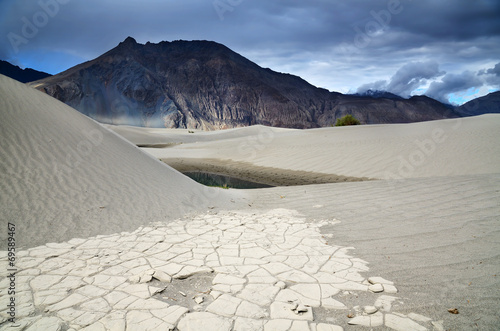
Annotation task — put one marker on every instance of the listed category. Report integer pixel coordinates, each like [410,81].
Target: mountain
[205,85]
[489,104]
[21,75]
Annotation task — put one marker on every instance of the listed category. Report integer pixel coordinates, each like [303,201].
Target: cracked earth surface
[217,271]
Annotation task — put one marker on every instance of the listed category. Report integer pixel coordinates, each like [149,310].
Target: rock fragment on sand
[283,310]
[330,303]
[215,294]
[280,284]
[372,320]
[390,289]
[360,320]
[153,290]
[162,276]
[145,278]
[376,288]
[150,272]
[148,276]
[379,280]
[300,309]
[135,279]
[370,309]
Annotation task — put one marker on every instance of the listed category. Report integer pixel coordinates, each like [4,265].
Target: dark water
[209,179]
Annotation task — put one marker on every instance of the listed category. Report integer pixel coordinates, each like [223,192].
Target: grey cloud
[412,75]
[455,83]
[494,71]
[408,78]
[491,76]
[293,24]
[416,74]
[452,83]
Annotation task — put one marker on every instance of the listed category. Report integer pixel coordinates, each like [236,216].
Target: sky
[446,49]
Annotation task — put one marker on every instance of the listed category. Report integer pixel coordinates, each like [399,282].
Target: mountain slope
[22,75]
[489,104]
[202,84]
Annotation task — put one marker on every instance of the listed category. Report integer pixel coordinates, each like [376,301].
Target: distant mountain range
[23,75]
[489,104]
[205,85]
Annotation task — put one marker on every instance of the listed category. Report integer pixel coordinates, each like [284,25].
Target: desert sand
[439,148]
[108,237]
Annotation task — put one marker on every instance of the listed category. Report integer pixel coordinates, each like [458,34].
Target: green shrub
[347,120]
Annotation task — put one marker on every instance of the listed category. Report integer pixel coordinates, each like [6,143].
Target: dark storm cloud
[334,43]
[407,78]
[412,75]
[452,83]
[494,71]
[492,75]
[415,75]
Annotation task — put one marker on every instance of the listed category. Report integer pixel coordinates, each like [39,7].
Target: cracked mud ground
[217,271]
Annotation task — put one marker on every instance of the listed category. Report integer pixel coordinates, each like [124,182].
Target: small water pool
[210,179]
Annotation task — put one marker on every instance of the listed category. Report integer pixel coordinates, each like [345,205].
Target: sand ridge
[439,148]
[63,175]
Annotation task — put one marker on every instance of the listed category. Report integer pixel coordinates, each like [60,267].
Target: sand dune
[158,136]
[439,148]
[63,175]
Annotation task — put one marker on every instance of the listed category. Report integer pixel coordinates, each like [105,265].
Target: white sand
[439,148]
[63,175]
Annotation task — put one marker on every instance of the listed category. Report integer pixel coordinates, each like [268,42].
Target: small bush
[347,120]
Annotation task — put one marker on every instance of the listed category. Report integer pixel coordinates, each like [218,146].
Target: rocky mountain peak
[205,85]
[129,40]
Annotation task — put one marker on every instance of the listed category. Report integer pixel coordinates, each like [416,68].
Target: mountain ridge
[482,105]
[22,75]
[205,85]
